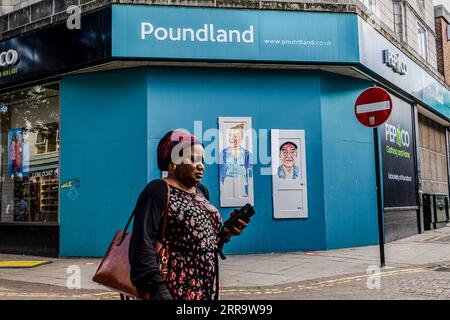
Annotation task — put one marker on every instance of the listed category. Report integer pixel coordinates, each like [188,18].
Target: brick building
[442,17]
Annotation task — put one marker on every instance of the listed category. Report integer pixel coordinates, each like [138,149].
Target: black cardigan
[144,261]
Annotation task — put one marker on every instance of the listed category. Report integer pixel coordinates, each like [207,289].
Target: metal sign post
[379,204]
[372,108]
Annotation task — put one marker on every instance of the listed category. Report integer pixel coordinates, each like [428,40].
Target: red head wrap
[168,142]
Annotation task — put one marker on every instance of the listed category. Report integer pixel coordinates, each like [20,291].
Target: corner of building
[103,156]
[348,166]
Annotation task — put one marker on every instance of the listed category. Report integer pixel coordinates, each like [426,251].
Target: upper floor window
[421,4]
[399,20]
[370,4]
[422,40]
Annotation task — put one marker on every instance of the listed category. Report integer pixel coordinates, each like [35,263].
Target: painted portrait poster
[235,161]
[289,174]
[17,154]
[289,164]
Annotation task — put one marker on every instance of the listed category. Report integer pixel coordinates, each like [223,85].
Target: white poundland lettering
[207,33]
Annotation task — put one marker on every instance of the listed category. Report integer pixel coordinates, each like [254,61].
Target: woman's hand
[235,230]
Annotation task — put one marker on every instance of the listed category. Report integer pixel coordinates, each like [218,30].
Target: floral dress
[193,231]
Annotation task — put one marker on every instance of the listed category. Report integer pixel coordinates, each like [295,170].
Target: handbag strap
[164,217]
[165,214]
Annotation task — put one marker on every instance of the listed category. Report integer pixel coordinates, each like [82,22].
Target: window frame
[422,41]
[402,16]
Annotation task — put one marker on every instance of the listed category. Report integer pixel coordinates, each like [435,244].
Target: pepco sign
[9,58]
[396,135]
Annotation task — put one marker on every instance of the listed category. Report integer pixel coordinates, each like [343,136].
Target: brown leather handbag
[114,269]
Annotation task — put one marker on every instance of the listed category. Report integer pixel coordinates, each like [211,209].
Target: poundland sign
[228,34]
[204,34]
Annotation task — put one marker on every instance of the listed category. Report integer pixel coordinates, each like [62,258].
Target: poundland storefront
[81,121]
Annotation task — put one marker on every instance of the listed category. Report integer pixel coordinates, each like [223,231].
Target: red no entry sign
[373,107]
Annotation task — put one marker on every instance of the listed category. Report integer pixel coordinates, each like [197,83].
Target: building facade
[83,108]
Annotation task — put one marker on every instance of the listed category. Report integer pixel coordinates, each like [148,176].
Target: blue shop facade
[81,120]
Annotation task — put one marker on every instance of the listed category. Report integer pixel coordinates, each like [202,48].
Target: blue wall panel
[103,144]
[274,100]
[112,122]
[348,166]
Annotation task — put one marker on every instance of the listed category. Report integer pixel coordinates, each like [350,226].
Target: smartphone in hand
[244,214]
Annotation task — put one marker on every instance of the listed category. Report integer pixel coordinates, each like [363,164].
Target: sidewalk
[432,247]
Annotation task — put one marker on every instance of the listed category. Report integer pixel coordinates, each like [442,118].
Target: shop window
[422,40]
[29,162]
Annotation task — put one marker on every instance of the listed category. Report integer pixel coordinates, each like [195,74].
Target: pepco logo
[397,135]
[9,58]
[394,61]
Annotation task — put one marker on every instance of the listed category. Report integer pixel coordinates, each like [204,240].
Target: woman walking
[193,228]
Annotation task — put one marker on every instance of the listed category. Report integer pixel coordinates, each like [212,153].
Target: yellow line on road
[243,291]
[321,284]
